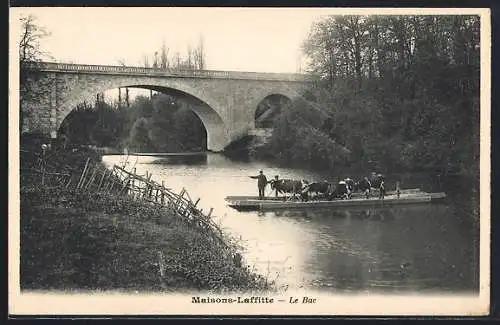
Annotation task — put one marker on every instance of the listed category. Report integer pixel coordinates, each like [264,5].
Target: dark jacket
[261,180]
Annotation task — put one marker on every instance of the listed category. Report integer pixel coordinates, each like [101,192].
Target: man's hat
[261,172]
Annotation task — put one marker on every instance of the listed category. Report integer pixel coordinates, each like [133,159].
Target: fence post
[92,178]
[83,173]
[102,179]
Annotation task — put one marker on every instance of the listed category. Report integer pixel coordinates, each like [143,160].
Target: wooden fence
[121,182]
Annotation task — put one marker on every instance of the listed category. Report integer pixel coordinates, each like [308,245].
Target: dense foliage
[298,137]
[401,91]
[157,124]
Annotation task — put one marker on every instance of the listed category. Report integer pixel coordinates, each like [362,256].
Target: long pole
[91,180]
[83,173]
[102,178]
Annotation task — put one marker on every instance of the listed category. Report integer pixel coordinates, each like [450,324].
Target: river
[430,248]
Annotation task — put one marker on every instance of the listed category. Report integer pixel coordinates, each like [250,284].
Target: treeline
[156,124]
[194,59]
[398,91]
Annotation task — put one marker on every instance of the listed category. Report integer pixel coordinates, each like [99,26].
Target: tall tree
[417,95]
[29,43]
[156,62]
[199,54]
[30,52]
[189,59]
[145,61]
[177,61]
[164,64]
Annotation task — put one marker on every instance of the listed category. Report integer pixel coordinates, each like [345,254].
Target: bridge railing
[89,68]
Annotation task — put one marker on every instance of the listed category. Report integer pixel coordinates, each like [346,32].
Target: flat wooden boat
[272,203]
[357,195]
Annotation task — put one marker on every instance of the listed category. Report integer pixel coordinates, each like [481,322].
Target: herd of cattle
[324,189]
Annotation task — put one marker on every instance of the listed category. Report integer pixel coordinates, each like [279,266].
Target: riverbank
[72,239]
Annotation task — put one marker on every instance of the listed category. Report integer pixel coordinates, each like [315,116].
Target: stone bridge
[225,101]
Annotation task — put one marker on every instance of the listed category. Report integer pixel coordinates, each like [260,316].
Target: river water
[430,248]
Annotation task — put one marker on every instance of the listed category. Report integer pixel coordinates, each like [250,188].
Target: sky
[235,39]
[239,39]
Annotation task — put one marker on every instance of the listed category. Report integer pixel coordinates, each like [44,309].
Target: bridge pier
[53,107]
[217,139]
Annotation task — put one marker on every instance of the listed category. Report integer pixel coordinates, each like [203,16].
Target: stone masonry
[224,101]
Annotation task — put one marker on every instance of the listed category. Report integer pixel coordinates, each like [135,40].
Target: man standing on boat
[382,190]
[261,183]
[398,189]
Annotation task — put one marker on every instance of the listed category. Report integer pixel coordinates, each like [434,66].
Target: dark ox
[340,191]
[319,189]
[364,186]
[287,186]
[329,191]
[376,179]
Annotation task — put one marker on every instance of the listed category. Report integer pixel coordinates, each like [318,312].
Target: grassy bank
[74,239]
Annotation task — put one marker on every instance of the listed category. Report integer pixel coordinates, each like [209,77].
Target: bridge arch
[227,99]
[276,93]
[268,109]
[205,107]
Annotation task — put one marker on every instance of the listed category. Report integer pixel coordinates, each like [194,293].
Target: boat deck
[270,203]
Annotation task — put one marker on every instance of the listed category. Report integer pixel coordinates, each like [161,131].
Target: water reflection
[394,249]
[398,248]
[182,160]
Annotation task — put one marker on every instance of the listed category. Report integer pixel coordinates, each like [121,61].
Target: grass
[77,240]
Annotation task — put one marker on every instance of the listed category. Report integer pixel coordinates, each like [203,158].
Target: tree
[189,59]
[30,52]
[139,136]
[156,63]
[199,55]
[122,62]
[164,64]
[29,44]
[416,94]
[177,60]
[145,61]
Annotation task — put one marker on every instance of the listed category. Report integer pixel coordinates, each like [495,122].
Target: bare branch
[29,44]
[122,62]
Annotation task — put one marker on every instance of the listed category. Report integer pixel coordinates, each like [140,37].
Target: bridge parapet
[160,72]
[226,100]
